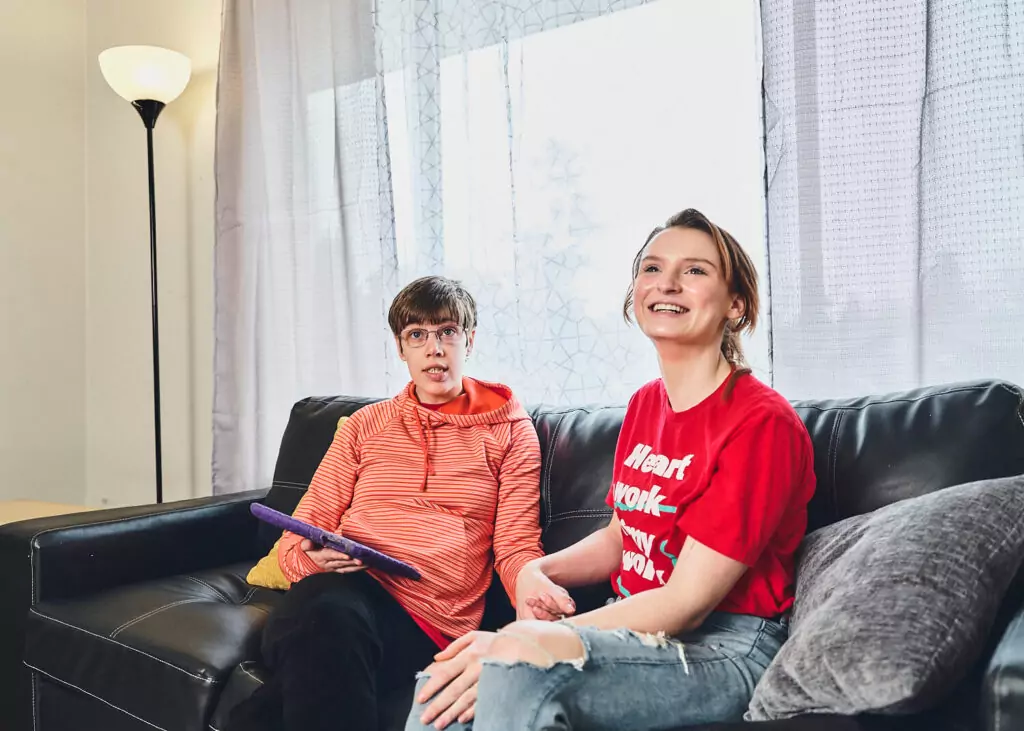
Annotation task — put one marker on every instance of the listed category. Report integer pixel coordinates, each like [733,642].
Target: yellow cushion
[267,573]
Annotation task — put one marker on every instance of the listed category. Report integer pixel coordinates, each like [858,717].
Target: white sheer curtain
[525,147]
[895,152]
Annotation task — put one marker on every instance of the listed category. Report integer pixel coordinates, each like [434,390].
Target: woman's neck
[691,376]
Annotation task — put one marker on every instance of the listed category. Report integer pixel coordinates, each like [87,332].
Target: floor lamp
[149,78]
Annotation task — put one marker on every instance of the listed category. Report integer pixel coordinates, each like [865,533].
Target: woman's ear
[736,310]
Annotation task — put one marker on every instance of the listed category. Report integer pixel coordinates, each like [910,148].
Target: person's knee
[327,592]
[336,614]
[323,611]
[542,644]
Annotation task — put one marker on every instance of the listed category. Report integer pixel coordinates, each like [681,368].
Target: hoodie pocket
[431,539]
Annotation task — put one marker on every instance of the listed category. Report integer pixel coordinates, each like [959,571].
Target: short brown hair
[432,299]
[738,271]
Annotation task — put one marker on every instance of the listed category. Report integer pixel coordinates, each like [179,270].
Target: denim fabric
[628,680]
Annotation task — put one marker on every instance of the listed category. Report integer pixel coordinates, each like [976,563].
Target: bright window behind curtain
[560,151]
[526,148]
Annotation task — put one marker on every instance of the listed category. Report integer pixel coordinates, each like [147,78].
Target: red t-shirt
[734,473]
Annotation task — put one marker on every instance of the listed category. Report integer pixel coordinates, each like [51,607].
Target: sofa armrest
[1003,687]
[64,556]
[69,555]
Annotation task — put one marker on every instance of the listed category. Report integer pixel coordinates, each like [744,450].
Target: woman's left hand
[453,678]
[538,597]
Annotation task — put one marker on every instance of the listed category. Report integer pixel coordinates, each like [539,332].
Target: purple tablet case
[320,537]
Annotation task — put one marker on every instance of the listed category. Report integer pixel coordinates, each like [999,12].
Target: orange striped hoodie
[454,495]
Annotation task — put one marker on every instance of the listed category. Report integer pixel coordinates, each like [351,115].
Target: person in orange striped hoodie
[444,476]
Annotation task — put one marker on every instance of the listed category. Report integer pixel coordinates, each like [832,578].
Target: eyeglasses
[418,337]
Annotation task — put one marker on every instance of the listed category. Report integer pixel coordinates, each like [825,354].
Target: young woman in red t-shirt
[713,472]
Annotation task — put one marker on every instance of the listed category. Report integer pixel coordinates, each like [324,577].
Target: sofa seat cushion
[160,651]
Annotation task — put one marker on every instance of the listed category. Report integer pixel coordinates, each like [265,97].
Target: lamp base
[149,110]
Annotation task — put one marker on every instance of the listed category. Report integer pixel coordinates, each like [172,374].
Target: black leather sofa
[140,618]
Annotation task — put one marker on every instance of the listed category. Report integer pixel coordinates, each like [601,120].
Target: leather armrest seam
[209,681]
[35,703]
[101,700]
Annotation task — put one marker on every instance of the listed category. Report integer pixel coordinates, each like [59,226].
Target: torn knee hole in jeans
[656,640]
[549,661]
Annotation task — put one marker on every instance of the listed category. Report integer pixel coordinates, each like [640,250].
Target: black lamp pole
[149,110]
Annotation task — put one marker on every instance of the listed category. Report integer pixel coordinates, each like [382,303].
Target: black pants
[337,645]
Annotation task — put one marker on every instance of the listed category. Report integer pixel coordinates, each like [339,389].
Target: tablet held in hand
[369,556]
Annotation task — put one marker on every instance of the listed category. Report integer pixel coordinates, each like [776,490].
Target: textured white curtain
[895,153]
[526,147]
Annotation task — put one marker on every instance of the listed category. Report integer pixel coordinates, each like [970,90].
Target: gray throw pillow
[893,607]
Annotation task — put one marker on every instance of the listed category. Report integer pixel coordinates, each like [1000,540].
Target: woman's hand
[329,560]
[538,597]
[453,678]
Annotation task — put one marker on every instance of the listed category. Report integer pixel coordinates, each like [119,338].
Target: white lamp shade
[146,72]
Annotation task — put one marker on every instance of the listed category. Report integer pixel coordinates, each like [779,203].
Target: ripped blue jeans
[630,681]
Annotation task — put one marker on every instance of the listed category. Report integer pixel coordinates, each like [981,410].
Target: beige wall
[76,420]
[119,401]
[42,250]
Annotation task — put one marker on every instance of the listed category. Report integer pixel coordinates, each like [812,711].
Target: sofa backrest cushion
[868,451]
[309,433]
[873,451]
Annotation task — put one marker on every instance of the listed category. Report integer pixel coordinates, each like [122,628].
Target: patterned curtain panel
[526,147]
[895,154]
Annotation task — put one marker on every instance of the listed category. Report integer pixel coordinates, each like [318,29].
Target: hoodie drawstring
[482,404]
[427,468]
